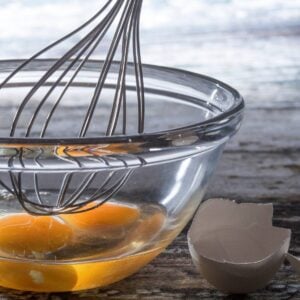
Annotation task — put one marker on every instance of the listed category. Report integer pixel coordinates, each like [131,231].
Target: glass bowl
[79,213]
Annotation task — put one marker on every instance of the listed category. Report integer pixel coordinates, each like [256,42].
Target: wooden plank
[268,130]
[256,177]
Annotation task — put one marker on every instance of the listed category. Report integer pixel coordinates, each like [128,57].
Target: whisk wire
[122,78]
[36,188]
[139,70]
[67,196]
[52,45]
[105,69]
[60,62]
[107,23]
[128,25]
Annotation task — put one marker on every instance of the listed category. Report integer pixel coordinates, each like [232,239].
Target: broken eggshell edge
[235,247]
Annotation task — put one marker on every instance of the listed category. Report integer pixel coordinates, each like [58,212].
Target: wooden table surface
[262,164]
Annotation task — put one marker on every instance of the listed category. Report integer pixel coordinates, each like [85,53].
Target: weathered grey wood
[272,130]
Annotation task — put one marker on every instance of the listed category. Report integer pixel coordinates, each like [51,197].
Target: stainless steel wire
[121,16]
[114,28]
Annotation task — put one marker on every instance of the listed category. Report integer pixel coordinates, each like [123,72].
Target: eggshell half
[235,246]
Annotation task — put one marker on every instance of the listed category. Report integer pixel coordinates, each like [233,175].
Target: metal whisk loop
[79,183]
[124,17]
[69,197]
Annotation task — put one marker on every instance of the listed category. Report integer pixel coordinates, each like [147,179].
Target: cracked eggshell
[235,246]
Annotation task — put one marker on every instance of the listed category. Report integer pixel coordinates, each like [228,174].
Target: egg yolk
[37,277]
[108,215]
[30,236]
[99,274]
[96,150]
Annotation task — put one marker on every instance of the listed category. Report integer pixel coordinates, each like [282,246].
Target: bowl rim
[217,121]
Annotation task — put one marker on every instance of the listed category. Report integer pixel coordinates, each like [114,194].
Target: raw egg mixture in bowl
[79,213]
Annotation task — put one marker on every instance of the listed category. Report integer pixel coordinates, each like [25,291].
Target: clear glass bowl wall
[160,176]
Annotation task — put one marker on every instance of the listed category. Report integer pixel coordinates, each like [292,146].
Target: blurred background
[242,42]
